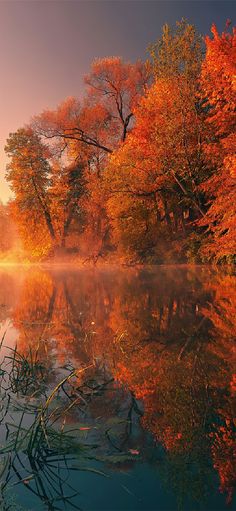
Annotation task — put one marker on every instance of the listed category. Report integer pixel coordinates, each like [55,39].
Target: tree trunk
[182,220]
[167,215]
[66,226]
[46,212]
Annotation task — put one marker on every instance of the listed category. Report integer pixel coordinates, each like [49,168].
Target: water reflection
[167,336]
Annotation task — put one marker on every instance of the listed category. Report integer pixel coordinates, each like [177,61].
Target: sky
[47,46]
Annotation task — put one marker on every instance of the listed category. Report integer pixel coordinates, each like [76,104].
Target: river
[148,362]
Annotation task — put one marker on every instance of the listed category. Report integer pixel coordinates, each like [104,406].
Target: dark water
[146,420]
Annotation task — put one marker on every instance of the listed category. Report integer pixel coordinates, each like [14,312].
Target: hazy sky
[47,46]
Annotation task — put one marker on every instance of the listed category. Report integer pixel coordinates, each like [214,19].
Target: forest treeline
[143,167]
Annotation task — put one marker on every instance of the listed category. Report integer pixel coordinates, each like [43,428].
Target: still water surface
[144,419]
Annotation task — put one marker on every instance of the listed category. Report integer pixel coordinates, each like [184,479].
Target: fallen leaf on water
[134,451]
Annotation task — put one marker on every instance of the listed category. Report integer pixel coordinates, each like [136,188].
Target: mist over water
[162,340]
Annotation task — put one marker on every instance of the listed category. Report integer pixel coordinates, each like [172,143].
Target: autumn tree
[160,165]
[28,173]
[102,120]
[47,192]
[95,126]
[118,86]
[219,89]
[177,53]
[65,192]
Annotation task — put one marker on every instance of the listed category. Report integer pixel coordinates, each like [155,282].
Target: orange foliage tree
[154,177]
[94,128]
[117,86]
[103,118]
[219,88]
[47,192]
[28,174]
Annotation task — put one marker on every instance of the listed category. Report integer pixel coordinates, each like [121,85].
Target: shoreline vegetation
[43,441]
[140,171]
[110,263]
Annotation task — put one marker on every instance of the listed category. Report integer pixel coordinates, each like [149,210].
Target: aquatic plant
[39,448]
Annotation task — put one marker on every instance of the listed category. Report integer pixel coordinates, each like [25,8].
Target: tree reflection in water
[167,338]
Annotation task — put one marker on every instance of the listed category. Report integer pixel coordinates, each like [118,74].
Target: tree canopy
[143,166]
